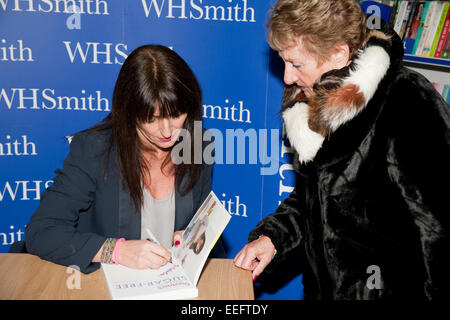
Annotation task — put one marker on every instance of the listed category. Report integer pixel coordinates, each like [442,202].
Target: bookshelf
[407,19]
[431,63]
[435,70]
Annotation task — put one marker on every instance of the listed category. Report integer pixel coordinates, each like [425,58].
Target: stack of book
[444,90]
[423,26]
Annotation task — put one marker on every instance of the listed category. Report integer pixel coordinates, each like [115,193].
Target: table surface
[25,276]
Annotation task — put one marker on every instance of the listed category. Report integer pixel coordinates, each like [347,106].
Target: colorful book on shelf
[394,12]
[412,34]
[435,17]
[400,15]
[439,87]
[446,49]
[440,28]
[412,13]
[446,93]
[426,28]
[177,279]
[420,29]
[443,37]
[406,18]
[447,98]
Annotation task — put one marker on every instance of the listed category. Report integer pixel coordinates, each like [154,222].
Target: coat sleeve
[419,165]
[51,233]
[283,228]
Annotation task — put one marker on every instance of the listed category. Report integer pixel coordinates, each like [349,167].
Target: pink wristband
[116,249]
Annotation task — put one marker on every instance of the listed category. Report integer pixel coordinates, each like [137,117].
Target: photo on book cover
[200,237]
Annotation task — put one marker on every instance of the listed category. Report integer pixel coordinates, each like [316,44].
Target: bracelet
[107,251]
[116,251]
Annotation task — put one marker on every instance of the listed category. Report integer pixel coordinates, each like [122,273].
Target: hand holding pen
[143,254]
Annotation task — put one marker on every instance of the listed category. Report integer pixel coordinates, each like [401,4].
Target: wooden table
[25,276]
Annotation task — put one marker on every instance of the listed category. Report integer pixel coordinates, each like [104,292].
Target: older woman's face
[302,68]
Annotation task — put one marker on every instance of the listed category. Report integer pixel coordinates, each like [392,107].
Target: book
[446,48]
[405,19]
[393,14]
[443,37]
[426,27]
[400,16]
[411,36]
[412,14]
[435,17]
[420,28]
[446,93]
[439,87]
[439,29]
[178,279]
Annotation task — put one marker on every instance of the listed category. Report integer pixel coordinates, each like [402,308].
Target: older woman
[369,216]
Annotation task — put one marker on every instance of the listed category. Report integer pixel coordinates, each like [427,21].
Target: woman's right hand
[143,254]
[256,255]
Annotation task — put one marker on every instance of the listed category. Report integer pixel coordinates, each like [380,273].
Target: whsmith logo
[91,7]
[228,10]
[23,190]
[47,99]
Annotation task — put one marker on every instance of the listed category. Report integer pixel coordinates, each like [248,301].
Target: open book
[176,280]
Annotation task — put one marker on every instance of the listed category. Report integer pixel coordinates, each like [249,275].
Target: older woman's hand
[177,237]
[256,255]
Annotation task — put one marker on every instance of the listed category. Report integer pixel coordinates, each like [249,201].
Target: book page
[167,282]
[200,236]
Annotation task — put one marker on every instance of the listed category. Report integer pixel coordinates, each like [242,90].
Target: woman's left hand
[177,237]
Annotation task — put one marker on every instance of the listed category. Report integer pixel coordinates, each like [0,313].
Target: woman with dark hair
[119,179]
[369,216]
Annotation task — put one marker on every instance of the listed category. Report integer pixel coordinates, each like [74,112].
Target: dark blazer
[83,207]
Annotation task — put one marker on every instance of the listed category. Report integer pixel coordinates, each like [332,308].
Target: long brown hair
[152,76]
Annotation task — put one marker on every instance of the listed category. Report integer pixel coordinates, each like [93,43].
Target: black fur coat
[369,216]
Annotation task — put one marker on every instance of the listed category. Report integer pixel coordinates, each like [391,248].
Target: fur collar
[340,95]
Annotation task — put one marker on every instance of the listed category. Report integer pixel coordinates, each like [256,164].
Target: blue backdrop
[58,64]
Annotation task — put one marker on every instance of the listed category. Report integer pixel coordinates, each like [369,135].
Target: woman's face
[161,132]
[302,68]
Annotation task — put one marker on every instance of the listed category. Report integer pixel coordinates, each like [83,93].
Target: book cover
[435,17]
[420,28]
[411,37]
[445,91]
[178,279]
[446,48]
[426,28]
[405,19]
[393,14]
[439,87]
[439,29]
[443,37]
[446,94]
[412,14]
[400,16]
